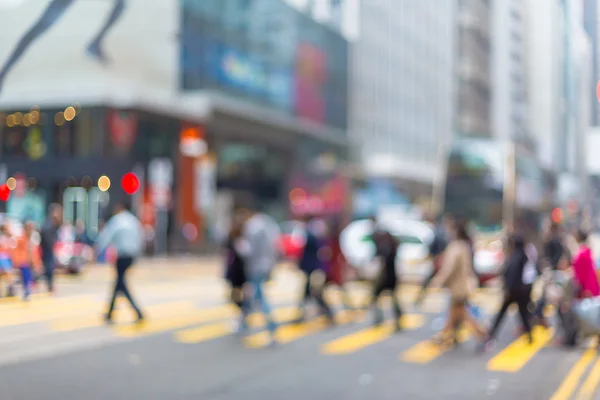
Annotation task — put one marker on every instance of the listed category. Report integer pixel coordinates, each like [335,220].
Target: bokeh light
[104,183]
[130,183]
[4,192]
[11,183]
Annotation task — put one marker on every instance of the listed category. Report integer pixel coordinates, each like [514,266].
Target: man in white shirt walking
[125,233]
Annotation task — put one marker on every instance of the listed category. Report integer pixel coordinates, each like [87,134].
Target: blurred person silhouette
[338,267]
[311,264]
[442,227]
[54,11]
[235,268]
[554,257]
[584,270]
[6,265]
[386,246]
[258,245]
[26,258]
[49,238]
[516,287]
[125,234]
[457,275]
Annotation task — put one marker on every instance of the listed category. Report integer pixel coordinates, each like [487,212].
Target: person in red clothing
[337,270]
[583,268]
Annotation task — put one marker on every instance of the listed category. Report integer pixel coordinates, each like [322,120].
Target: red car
[292,240]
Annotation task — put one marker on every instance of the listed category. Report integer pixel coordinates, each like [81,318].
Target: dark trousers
[122,265]
[49,273]
[317,294]
[522,298]
[382,285]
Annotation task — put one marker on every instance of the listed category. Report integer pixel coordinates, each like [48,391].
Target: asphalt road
[58,348]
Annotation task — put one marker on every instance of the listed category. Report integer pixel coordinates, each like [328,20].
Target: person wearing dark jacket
[554,253]
[515,289]
[386,250]
[49,238]
[311,264]
[235,273]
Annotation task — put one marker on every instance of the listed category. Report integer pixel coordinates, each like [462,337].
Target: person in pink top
[583,268]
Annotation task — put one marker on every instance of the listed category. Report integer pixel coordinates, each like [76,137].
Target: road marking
[588,389]
[257,320]
[200,316]
[204,333]
[369,336]
[287,333]
[40,301]
[28,315]
[427,350]
[569,384]
[518,353]
[122,315]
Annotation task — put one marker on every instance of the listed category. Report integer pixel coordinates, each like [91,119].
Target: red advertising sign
[123,129]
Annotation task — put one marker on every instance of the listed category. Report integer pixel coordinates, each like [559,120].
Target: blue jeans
[259,297]
[26,277]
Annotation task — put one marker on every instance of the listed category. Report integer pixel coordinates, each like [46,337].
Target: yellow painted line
[426,351]
[153,326]
[291,333]
[590,385]
[370,336]
[280,315]
[570,383]
[214,331]
[40,301]
[204,333]
[44,314]
[518,353]
[122,315]
[287,333]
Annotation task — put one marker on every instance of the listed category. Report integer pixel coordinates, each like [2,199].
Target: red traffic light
[4,192]
[130,183]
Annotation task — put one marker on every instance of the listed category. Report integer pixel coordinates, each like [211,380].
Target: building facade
[545,61]
[201,104]
[402,90]
[473,113]
[510,111]
[591,14]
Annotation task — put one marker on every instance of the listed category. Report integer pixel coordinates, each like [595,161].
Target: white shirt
[125,233]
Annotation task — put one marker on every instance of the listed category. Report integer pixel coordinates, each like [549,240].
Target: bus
[494,185]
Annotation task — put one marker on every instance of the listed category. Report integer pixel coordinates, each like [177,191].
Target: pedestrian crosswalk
[189,318]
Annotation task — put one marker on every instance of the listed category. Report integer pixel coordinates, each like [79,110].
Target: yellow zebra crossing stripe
[370,336]
[214,331]
[518,353]
[123,315]
[154,326]
[426,351]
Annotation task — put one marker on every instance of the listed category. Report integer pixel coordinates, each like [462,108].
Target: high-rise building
[509,71]
[473,112]
[591,13]
[402,89]
[545,60]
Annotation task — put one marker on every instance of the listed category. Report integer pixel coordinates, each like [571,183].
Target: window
[64,139]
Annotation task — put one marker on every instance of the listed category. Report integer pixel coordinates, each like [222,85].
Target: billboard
[276,56]
[65,50]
